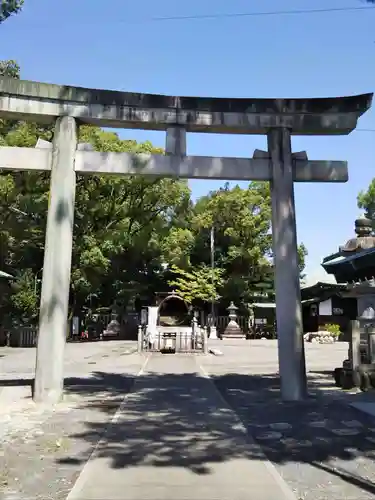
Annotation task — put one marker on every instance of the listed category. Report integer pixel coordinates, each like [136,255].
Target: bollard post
[194,330]
[205,340]
[140,339]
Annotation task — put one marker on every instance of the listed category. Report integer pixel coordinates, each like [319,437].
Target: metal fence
[178,341]
[23,336]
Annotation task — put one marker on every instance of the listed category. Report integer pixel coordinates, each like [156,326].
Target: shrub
[333,329]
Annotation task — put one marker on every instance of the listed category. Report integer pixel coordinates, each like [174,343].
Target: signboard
[337,311]
[325,308]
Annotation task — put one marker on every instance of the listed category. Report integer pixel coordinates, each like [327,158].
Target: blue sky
[85,43]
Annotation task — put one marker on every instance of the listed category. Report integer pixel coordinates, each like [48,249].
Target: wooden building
[325,303]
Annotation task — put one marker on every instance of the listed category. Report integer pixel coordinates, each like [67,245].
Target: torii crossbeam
[68,107]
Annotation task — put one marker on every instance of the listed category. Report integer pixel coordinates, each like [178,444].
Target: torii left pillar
[49,371]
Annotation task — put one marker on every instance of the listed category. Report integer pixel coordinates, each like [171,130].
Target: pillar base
[233,336]
[233,331]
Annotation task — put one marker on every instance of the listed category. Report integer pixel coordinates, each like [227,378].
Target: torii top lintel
[43,102]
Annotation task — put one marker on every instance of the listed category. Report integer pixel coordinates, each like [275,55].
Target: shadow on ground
[184,428]
[177,423]
[323,431]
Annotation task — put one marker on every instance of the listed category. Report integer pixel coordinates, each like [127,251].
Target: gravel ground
[29,464]
[323,448]
[35,441]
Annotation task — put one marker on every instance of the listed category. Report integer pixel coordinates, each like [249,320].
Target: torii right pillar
[292,365]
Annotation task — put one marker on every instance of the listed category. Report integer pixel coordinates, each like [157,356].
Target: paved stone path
[175,438]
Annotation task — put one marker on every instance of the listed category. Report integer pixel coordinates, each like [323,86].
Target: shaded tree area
[134,235]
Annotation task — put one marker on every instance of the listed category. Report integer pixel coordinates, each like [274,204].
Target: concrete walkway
[174,438]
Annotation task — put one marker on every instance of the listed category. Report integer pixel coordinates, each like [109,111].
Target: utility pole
[212,240]
[213,326]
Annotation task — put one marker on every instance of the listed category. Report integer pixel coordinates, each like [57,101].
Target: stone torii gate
[68,107]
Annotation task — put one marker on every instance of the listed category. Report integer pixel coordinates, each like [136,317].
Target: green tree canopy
[120,223]
[241,219]
[9,7]
[198,285]
[366,200]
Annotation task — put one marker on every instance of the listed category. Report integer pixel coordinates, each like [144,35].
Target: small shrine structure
[324,303]
[354,267]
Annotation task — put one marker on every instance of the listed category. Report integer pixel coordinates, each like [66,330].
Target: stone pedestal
[233,331]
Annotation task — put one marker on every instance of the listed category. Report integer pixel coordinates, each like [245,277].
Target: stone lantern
[232,310]
[233,330]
